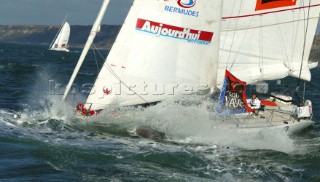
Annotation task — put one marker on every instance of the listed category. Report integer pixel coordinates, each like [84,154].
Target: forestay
[163,47]
[267,39]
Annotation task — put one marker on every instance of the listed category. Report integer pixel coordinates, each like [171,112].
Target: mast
[93,33]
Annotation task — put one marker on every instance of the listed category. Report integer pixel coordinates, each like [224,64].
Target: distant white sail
[267,40]
[162,45]
[61,41]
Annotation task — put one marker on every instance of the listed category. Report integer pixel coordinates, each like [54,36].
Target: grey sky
[52,12]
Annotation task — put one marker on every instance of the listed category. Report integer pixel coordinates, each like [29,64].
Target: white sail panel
[163,46]
[265,40]
[61,42]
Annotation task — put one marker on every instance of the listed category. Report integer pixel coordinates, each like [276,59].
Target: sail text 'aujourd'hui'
[160,29]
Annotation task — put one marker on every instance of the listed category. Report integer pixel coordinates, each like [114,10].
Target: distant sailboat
[175,45]
[61,40]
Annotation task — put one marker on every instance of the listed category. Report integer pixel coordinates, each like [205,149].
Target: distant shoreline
[47,45]
[44,35]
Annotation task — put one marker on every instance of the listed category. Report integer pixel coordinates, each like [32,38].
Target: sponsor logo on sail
[188,34]
[190,4]
[107,91]
[184,8]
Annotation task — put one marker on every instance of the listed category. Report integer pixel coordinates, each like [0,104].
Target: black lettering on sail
[233,97]
[267,1]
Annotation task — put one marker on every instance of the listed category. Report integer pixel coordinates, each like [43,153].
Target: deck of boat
[278,117]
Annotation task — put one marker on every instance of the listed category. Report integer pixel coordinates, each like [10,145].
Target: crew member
[254,103]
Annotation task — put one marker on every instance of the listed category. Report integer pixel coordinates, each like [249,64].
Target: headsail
[61,42]
[267,40]
[162,46]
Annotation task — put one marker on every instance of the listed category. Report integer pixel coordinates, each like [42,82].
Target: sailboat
[269,40]
[180,47]
[60,42]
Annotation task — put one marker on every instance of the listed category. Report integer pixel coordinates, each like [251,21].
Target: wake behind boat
[185,47]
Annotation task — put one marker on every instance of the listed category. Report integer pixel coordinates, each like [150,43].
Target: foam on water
[184,120]
[182,123]
[210,152]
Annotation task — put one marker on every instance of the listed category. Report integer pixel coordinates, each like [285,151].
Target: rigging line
[295,34]
[304,91]
[96,62]
[242,41]
[302,55]
[95,56]
[269,25]
[96,76]
[304,44]
[286,60]
[229,23]
[237,21]
[293,39]
[117,77]
[261,50]
[297,95]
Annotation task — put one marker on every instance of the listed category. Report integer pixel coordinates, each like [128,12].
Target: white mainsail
[267,40]
[61,41]
[163,47]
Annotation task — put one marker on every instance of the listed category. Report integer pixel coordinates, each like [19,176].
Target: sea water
[41,140]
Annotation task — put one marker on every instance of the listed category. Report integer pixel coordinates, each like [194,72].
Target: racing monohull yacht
[180,44]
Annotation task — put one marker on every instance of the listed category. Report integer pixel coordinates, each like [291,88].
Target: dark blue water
[49,144]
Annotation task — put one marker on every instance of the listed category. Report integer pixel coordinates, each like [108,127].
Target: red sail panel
[270,4]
